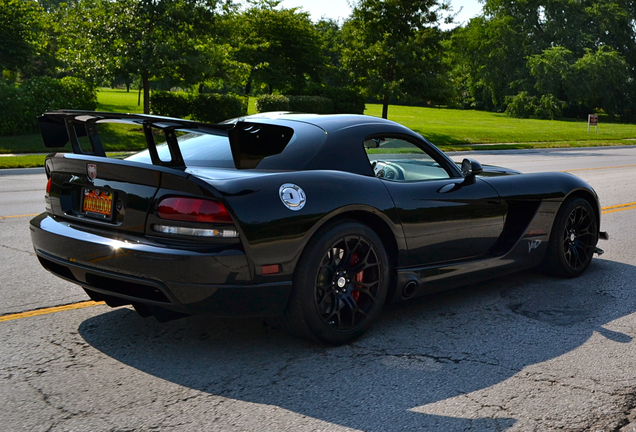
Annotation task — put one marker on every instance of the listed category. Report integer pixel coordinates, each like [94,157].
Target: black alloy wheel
[578,238]
[573,239]
[348,283]
[340,284]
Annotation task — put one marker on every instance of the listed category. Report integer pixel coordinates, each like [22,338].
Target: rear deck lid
[104,192]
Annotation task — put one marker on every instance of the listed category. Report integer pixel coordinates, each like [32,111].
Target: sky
[340,8]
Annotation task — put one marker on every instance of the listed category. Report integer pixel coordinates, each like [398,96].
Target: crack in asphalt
[628,409]
[557,382]
[183,399]
[443,359]
[45,398]
[30,253]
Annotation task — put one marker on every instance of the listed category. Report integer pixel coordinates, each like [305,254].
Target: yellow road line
[599,168]
[617,208]
[45,311]
[18,216]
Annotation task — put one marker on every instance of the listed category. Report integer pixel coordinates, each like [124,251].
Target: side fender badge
[533,244]
[292,196]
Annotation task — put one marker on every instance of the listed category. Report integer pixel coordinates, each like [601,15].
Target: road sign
[592,120]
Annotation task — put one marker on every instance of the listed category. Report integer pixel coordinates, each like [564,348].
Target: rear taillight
[193,210]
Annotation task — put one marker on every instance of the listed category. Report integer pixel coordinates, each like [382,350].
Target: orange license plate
[97,203]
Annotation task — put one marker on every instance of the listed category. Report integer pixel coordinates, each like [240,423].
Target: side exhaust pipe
[409,289]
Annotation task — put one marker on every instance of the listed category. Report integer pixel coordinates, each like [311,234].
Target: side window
[398,160]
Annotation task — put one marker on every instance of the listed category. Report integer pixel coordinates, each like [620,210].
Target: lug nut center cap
[572,237]
[341,282]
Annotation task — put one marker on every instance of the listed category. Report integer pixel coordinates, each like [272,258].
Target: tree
[280,46]
[553,72]
[148,38]
[603,80]
[490,54]
[549,48]
[23,34]
[334,74]
[393,47]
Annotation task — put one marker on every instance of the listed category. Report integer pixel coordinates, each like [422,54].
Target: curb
[21,171]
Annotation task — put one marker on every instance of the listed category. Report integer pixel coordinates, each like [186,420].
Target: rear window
[258,146]
[197,150]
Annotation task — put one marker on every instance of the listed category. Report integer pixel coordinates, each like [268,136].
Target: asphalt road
[522,353]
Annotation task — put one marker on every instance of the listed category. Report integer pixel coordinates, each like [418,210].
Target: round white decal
[292,196]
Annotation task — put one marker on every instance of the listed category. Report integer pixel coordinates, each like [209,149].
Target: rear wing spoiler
[250,142]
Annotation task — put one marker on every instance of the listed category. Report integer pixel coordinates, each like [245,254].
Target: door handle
[447,187]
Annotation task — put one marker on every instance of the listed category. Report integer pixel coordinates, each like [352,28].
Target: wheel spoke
[327,303]
[367,293]
[354,308]
[349,251]
[331,318]
[362,266]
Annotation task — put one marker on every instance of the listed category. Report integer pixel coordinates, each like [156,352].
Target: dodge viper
[316,221]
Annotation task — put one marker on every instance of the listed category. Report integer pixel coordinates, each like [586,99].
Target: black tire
[340,284]
[573,239]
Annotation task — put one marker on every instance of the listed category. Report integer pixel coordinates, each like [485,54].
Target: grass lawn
[452,128]
[25,161]
[448,129]
[118,100]
[115,137]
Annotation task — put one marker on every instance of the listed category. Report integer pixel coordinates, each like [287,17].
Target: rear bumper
[153,274]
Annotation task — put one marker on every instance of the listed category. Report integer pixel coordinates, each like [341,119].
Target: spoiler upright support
[250,142]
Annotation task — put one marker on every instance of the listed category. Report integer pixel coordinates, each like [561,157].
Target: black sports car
[317,220]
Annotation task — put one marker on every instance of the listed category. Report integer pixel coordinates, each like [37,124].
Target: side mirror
[471,167]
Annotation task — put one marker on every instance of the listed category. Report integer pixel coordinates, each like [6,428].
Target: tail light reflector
[195,232]
[47,197]
[193,210]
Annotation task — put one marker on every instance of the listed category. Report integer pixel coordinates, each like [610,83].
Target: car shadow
[420,352]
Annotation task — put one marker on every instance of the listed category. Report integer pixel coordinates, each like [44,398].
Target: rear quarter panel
[274,234]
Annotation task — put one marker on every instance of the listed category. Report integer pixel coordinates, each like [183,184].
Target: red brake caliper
[359,277]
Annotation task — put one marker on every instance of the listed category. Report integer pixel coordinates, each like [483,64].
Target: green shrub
[214,107]
[520,106]
[310,104]
[327,101]
[204,107]
[525,106]
[20,105]
[345,100]
[46,94]
[13,117]
[77,94]
[267,103]
[171,104]
[549,107]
